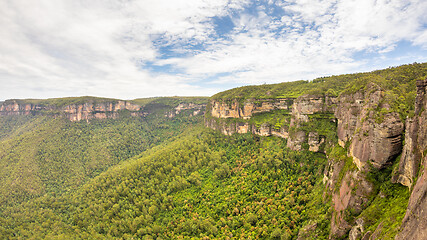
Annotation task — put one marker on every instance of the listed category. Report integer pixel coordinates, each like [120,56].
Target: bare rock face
[409,161]
[300,108]
[349,198]
[264,130]
[415,139]
[89,110]
[377,142]
[283,132]
[373,138]
[314,141]
[13,108]
[296,140]
[248,108]
[350,106]
[414,224]
[197,109]
[357,230]
[229,128]
[74,112]
[311,104]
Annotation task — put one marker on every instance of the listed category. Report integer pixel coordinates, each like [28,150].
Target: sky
[131,49]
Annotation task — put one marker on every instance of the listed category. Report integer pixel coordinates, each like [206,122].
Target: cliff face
[370,132]
[248,108]
[300,108]
[74,112]
[415,220]
[373,138]
[196,109]
[90,109]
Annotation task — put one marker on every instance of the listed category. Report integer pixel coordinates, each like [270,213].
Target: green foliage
[41,154]
[398,83]
[170,101]
[388,209]
[400,80]
[60,102]
[277,119]
[175,191]
[339,154]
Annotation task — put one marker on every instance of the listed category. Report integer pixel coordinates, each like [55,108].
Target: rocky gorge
[372,136]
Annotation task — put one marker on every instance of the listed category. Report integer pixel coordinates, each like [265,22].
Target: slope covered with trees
[44,154]
[163,175]
[202,185]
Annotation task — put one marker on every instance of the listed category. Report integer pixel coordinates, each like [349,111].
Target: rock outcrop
[90,109]
[248,108]
[357,230]
[87,111]
[374,137]
[345,201]
[74,112]
[370,132]
[415,221]
[415,139]
[229,128]
[315,141]
[301,108]
[310,104]
[197,109]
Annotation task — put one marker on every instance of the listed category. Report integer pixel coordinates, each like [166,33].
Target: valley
[340,157]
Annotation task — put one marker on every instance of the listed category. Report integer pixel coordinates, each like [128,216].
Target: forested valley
[263,162]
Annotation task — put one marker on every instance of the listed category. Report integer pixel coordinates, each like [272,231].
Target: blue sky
[132,49]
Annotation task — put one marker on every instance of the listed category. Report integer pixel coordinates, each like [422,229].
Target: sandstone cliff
[196,109]
[74,112]
[248,108]
[90,108]
[415,220]
[370,134]
[373,138]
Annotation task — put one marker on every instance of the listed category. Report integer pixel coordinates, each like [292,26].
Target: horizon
[143,49]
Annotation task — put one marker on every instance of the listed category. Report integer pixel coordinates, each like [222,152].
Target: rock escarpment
[300,111]
[248,108]
[371,135]
[88,109]
[196,109]
[374,138]
[415,139]
[415,220]
[74,112]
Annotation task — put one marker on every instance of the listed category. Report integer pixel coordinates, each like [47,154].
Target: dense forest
[168,176]
[203,184]
[42,154]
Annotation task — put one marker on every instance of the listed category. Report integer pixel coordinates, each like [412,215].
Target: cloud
[316,38]
[95,47]
[105,48]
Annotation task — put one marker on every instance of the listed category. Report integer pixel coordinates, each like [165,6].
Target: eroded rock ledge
[371,133]
[74,112]
[90,109]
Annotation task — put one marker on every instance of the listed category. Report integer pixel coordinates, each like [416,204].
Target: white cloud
[65,47]
[318,38]
[95,47]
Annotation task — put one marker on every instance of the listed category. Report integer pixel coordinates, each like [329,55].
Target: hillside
[340,157]
[44,152]
[372,129]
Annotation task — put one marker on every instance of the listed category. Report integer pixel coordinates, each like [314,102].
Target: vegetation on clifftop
[398,82]
[61,102]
